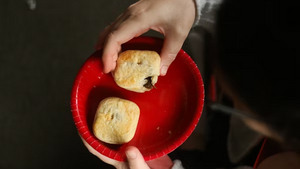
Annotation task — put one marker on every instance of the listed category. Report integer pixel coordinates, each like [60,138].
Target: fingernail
[164,70]
[131,154]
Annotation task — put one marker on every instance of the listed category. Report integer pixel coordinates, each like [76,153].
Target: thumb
[172,45]
[135,159]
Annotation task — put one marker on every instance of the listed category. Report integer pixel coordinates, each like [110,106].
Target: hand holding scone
[173,19]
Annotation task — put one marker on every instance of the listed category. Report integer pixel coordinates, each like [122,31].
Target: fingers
[172,44]
[109,28]
[97,154]
[135,159]
[102,36]
[127,30]
[163,162]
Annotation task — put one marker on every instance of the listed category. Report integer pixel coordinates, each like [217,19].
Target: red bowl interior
[168,114]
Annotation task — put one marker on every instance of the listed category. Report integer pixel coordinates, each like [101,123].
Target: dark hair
[258,52]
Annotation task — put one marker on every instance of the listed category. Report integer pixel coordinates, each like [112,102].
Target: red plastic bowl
[168,115]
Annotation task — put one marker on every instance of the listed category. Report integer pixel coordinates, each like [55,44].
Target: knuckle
[134,12]
[111,35]
[131,7]
[170,57]
[181,32]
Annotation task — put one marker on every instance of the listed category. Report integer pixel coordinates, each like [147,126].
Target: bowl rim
[83,129]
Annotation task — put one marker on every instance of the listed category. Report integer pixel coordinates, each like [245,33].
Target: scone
[137,70]
[116,120]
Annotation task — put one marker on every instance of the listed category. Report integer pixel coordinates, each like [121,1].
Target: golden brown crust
[134,67]
[116,120]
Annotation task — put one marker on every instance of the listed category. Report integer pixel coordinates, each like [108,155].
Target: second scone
[116,120]
[137,70]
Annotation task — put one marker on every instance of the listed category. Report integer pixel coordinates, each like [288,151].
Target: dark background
[40,54]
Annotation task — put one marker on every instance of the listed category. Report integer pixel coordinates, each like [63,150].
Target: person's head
[258,63]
